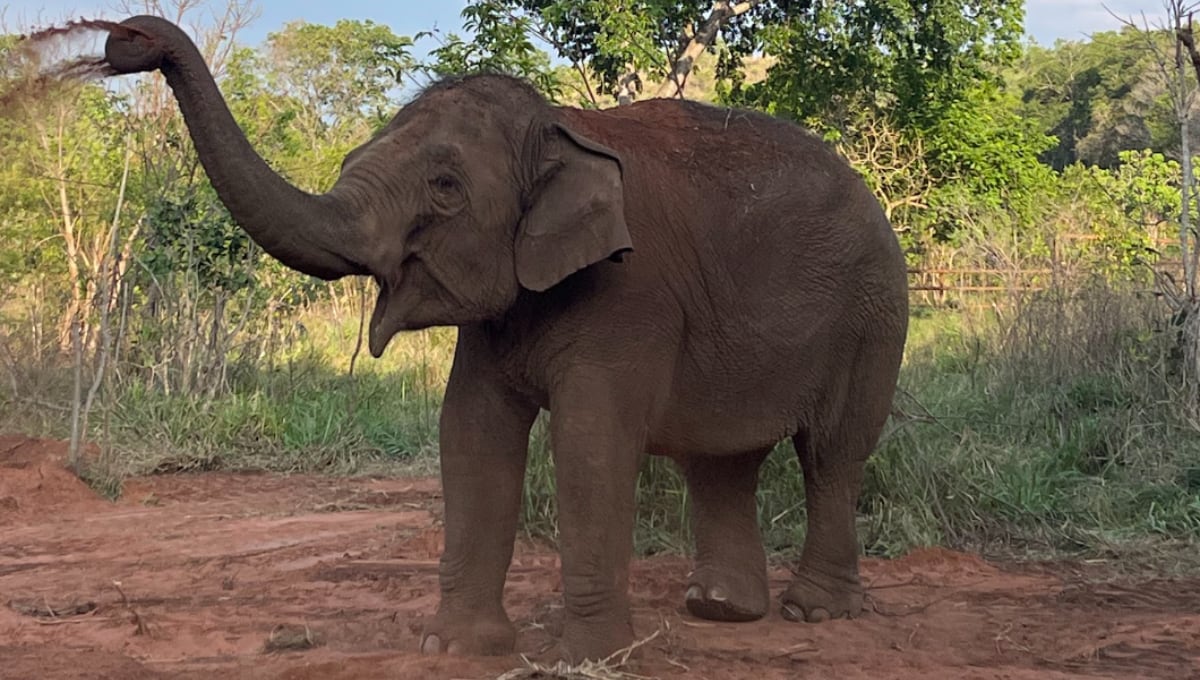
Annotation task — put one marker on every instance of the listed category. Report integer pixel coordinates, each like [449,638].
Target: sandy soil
[262,576]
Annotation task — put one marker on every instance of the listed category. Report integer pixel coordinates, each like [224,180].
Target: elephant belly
[718,432]
[735,397]
[722,413]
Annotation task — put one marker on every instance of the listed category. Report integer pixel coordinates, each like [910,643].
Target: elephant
[667,278]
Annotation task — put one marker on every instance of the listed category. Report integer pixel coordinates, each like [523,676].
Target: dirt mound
[34,480]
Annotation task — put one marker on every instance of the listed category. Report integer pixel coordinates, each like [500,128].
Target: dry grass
[613,667]
[290,637]
[42,608]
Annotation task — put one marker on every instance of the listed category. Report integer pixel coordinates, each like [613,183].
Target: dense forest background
[1048,400]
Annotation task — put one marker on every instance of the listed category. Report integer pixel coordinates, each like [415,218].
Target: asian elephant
[666,278]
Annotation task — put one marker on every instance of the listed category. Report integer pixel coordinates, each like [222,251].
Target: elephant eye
[445,184]
[447,193]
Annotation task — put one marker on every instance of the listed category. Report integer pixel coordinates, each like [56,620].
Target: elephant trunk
[318,235]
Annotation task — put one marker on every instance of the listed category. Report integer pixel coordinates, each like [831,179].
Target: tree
[614,47]
[1099,98]
[501,43]
[914,60]
[65,166]
[877,77]
[341,74]
[628,43]
[316,91]
[1186,301]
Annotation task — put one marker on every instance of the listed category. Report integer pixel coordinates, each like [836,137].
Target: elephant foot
[814,597]
[469,635]
[727,595]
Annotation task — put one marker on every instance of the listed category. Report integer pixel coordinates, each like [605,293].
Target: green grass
[1046,430]
[306,415]
[1058,426]
[1052,429]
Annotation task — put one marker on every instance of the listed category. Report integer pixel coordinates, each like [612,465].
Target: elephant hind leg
[729,582]
[826,584]
[833,454]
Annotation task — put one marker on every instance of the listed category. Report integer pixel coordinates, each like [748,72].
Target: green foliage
[315,92]
[501,43]
[603,41]
[1140,197]
[342,71]
[983,144]
[611,36]
[915,60]
[1098,97]
[63,158]
[985,159]
[269,117]
[190,230]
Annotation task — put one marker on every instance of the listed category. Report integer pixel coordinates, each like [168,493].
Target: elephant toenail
[818,614]
[717,595]
[792,613]
[455,648]
[695,593]
[431,645]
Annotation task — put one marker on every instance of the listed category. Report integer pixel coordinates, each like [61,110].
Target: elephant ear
[576,215]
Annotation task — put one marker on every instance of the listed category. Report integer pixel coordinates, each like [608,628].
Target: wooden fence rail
[937,284]
[968,280]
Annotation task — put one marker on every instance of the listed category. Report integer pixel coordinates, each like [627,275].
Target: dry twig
[610,668]
[142,627]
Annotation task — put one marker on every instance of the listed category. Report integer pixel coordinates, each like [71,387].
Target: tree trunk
[703,38]
[1185,224]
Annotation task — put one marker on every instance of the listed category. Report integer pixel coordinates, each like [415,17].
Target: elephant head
[475,191]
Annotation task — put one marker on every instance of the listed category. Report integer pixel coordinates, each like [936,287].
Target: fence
[983,284]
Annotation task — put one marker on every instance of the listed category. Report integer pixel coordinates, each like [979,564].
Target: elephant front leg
[484,438]
[598,442]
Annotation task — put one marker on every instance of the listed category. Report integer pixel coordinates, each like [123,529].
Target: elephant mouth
[386,319]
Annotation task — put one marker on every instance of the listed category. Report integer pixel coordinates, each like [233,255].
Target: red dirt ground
[194,576]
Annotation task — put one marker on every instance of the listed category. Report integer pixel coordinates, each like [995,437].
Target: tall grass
[1058,424]
[1055,423]
[1061,423]
[303,412]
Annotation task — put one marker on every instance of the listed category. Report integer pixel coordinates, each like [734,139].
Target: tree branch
[1187,37]
[701,40]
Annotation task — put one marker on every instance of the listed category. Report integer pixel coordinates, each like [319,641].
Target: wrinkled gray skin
[666,278]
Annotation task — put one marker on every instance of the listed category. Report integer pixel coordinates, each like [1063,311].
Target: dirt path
[204,576]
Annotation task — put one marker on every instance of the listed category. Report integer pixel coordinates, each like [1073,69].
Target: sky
[1045,20]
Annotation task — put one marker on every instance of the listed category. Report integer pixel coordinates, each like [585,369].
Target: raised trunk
[314,234]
